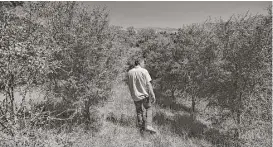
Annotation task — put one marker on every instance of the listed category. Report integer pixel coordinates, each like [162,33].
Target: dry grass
[117,129]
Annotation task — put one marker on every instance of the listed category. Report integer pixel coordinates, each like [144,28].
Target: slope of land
[117,129]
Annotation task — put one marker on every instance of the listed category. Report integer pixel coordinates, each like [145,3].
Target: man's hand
[151,92]
[153,99]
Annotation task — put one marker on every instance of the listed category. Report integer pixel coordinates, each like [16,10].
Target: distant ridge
[159,29]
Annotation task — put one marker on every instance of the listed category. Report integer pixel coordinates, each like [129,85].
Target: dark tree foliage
[68,52]
[227,63]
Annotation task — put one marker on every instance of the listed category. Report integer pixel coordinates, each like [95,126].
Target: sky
[175,14]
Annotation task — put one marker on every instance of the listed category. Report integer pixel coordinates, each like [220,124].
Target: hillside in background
[158,29]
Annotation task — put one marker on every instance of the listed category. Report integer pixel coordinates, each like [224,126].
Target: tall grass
[117,129]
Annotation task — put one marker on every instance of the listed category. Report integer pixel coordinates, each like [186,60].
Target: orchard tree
[89,55]
[243,71]
[194,54]
[68,51]
[24,61]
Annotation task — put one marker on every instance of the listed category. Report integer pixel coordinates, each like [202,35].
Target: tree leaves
[226,62]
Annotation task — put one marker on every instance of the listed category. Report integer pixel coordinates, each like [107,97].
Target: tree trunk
[173,96]
[12,103]
[238,119]
[193,108]
[11,91]
[87,113]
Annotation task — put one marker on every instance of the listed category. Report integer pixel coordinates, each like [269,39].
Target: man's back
[138,79]
[142,93]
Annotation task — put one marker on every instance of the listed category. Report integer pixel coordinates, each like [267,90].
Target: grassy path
[117,121]
[119,127]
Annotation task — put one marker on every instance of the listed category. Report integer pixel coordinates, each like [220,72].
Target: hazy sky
[175,14]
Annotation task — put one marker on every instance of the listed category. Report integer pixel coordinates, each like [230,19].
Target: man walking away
[139,82]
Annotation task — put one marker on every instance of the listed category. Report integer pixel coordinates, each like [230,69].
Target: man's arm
[128,83]
[149,84]
[151,92]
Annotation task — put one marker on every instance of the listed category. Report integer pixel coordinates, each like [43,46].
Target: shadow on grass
[167,102]
[185,126]
[122,120]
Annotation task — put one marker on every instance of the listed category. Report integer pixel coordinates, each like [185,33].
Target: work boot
[150,129]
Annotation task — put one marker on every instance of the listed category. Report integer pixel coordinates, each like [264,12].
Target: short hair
[138,60]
